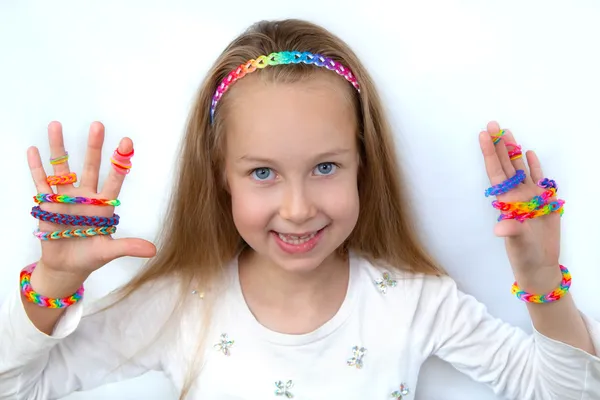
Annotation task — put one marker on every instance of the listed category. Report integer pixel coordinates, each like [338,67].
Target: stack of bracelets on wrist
[538,206]
[89,226]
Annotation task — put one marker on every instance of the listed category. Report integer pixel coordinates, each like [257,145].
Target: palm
[82,255]
[535,242]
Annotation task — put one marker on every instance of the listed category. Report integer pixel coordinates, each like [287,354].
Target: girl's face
[291,166]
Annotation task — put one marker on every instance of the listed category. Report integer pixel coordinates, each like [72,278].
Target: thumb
[131,247]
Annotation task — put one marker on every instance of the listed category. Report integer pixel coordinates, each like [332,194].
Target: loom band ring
[516,156]
[496,137]
[127,155]
[119,168]
[547,183]
[120,164]
[54,180]
[122,159]
[60,159]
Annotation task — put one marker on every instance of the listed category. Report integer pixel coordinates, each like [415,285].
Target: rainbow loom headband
[279,58]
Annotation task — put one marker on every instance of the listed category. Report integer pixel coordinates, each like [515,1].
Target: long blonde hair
[199,237]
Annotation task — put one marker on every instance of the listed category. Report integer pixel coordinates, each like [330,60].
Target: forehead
[307,116]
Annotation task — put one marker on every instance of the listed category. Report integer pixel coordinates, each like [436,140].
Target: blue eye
[262,174]
[326,168]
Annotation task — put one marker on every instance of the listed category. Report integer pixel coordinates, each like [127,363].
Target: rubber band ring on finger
[516,152]
[121,162]
[496,137]
[61,159]
[55,180]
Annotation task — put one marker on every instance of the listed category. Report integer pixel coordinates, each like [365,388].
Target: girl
[288,266]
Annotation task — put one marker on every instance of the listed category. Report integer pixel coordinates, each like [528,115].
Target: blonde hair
[199,236]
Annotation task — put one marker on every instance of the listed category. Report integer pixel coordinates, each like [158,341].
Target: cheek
[339,201]
[250,208]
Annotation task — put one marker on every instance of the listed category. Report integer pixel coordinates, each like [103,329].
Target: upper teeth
[292,239]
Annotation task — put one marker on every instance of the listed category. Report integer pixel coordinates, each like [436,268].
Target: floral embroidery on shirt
[357,357]
[283,389]
[385,282]
[399,394]
[224,345]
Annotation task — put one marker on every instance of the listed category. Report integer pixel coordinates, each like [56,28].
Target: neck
[293,302]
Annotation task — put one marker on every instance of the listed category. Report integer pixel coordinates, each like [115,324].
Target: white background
[445,68]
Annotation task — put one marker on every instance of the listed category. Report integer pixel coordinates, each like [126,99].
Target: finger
[128,247]
[517,163]
[504,158]
[114,181]
[93,156]
[57,149]
[493,129]
[37,170]
[535,166]
[493,166]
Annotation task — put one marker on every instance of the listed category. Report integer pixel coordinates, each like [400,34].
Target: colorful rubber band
[62,179]
[555,295]
[60,160]
[59,198]
[515,152]
[43,301]
[75,233]
[536,207]
[280,58]
[507,185]
[496,137]
[121,162]
[75,220]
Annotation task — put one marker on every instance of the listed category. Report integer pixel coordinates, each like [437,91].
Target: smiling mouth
[297,238]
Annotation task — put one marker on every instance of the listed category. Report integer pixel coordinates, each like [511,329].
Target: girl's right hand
[75,259]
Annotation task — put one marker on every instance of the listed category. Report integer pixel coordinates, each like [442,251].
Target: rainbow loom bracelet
[75,220]
[280,58]
[507,185]
[62,179]
[554,206]
[43,301]
[555,295]
[60,159]
[75,233]
[59,198]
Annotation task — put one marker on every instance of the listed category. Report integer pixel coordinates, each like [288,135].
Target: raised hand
[533,243]
[80,256]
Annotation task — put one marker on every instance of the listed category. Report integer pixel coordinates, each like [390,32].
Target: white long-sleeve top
[377,341]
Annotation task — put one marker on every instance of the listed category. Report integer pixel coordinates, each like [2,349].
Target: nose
[297,206]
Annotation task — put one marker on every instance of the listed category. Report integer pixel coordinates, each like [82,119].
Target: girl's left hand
[535,243]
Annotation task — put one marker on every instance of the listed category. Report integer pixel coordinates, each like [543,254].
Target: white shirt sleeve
[514,364]
[86,349]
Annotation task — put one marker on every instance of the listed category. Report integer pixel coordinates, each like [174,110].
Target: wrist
[55,284]
[539,280]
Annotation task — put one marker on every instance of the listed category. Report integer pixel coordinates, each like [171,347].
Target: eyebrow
[332,153]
